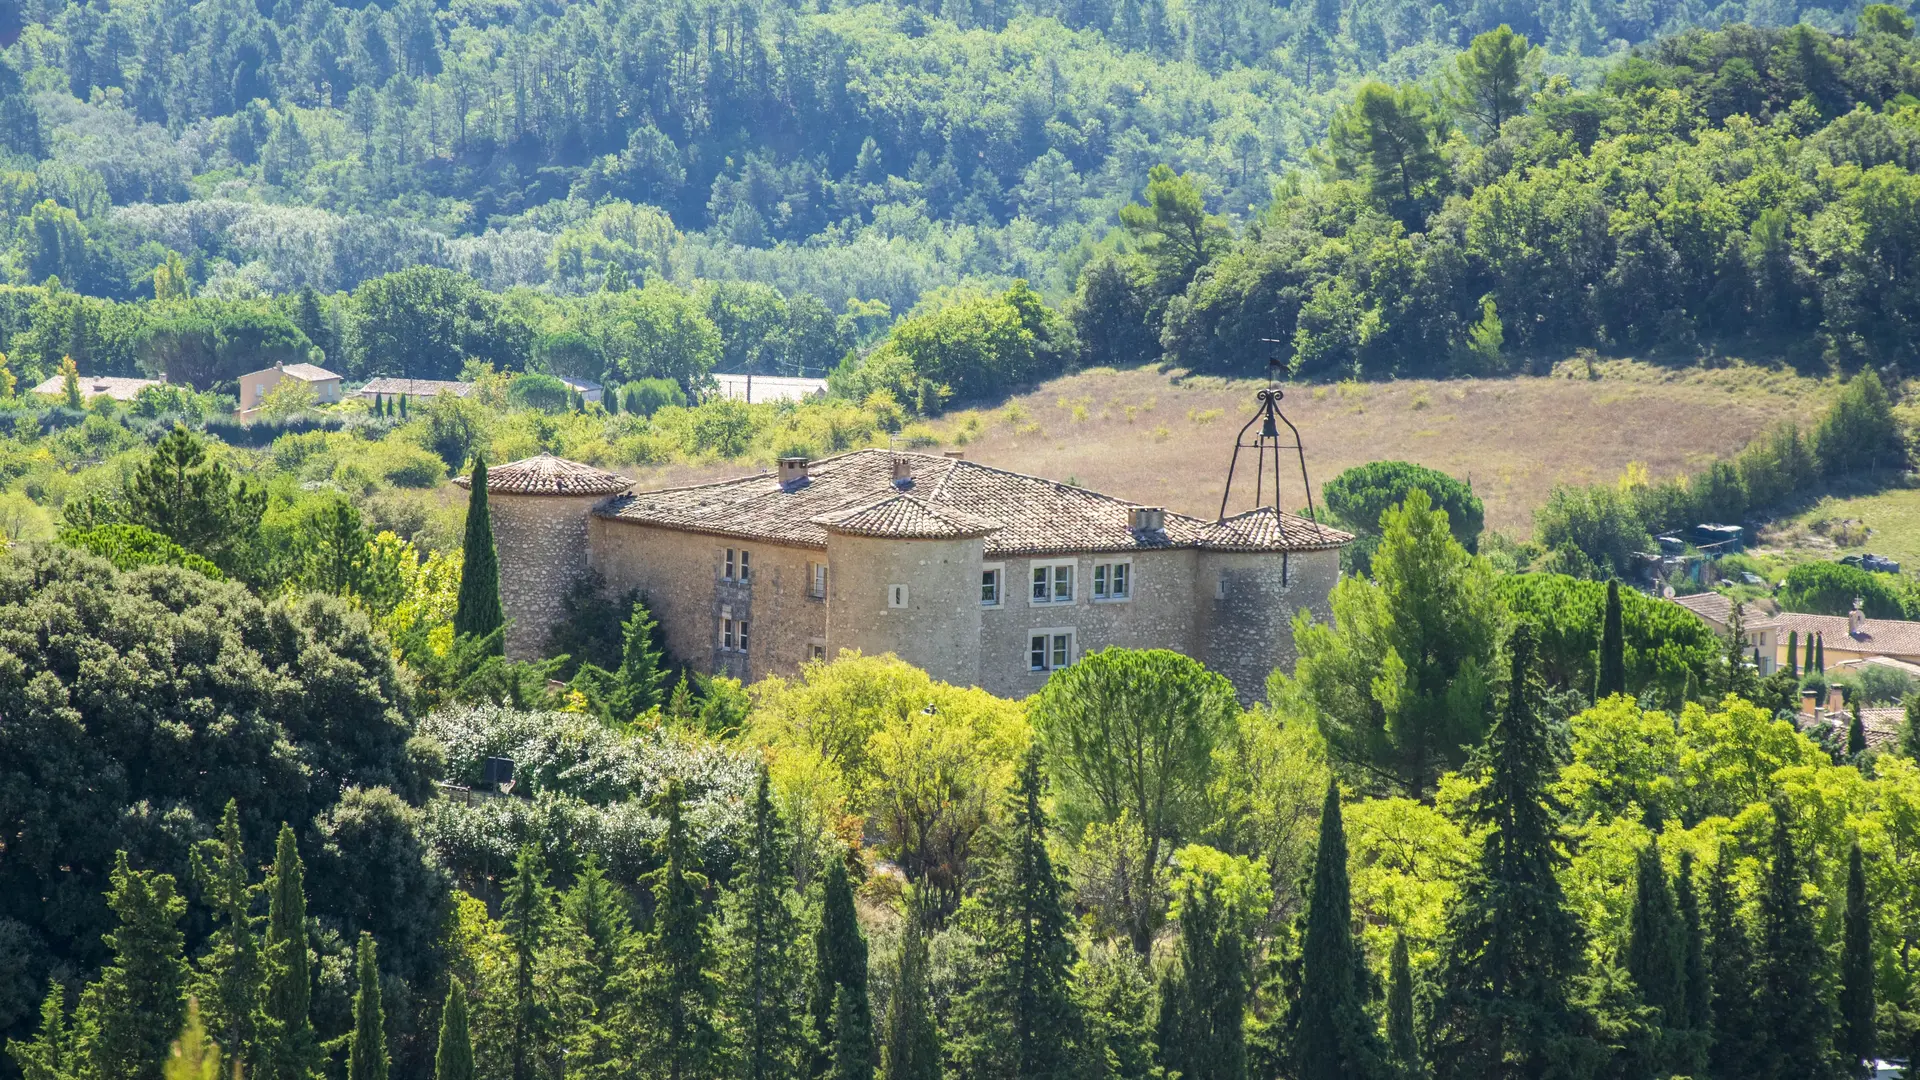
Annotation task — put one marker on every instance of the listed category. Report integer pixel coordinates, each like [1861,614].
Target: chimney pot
[1856,618]
[1836,699]
[1809,703]
[1148,519]
[902,472]
[792,470]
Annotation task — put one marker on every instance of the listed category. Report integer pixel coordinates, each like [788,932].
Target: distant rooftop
[93,386]
[306,372]
[420,388]
[756,388]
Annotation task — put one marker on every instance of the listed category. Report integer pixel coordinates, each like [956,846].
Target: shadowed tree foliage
[1337,1039]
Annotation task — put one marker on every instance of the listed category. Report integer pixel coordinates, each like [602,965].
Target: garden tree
[653,332]
[1793,653]
[839,994]
[289,968]
[1359,497]
[597,935]
[1512,944]
[1109,312]
[367,1046]
[130,1013]
[1859,433]
[1492,80]
[1132,732]
[478,612]
[1398,683]
[453,1060]
[1174,228]
[193,1056]
[1612,678]
[1655,958]
[194,500]
[1336,1036]
[1910,729]
[1855,1038]
[1116,996]
[1794,1015]
[975,347]
[910,1049]
[1830,588]
[1856,732]
[1403,1037]
[1598,522]
[526,915]
[1018,1017]
[426,322]
[1389,138]
[760,934]
[235,969]
[1666,650]
[852,1041]
[1690,1050]
[206,343]
[70,383]
[54,1051]
[678,992]
[1203,1002]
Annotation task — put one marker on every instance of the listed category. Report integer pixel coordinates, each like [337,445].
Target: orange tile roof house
[1846,640]
[93,386]
[979,575]
[256,385]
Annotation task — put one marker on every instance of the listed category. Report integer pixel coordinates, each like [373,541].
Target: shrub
[1828,588]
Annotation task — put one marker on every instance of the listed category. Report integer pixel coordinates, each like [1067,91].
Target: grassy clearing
[1883,522]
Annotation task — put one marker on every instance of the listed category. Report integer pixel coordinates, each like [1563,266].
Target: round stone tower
[539,507]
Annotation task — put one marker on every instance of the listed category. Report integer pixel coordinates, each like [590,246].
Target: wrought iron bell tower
[1267,447]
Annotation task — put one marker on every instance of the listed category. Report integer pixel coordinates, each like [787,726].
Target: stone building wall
[542,543]
[936,626]
[1159,615]
[1245,603]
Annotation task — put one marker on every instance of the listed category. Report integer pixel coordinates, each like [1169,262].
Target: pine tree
[1793,653]
[642,665]
[477,610]
[765,979]
[1512,946]
[53,1053]
[1734,1014]
[289,972]
[367,1048]
[193,1056]
[526,914]
[1613,648]
[454,1058]
[1402,1032]
[1795,1019]
[678,992]
[1690,1051]
[1856,733]
[839,963]
[911,1049]
[1856,1042]
[1203,1006]
[599,934]
[1019,1018]
[130,1014]
[1337,1040]
[234,975]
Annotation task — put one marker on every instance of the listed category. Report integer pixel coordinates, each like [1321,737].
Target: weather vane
[1269,444]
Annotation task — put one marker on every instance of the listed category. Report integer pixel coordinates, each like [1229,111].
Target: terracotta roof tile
[1884,636]
[1718,608]
[415,387]
[92,386]
[549,475]
[308,372]
[903,517]
[1037,516]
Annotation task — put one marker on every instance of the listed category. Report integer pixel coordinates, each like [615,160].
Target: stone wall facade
[917,599]
[542,541]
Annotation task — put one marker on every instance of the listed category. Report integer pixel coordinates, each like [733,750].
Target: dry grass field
[1162,438]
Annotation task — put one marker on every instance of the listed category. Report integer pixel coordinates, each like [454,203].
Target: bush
[644,397]
[131,546]
[1595,521]
[1827,588]
[533,390]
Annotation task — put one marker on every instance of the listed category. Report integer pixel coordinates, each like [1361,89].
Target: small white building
[588,390]
[752,388]
[256,385]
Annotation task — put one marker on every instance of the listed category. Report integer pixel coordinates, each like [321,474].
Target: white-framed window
[726,635]
[896,596]
[1113,581]
[1050,649]
[739,564]
[1052,582]
[733,635]
[993,585]
[728,572]
[817,580]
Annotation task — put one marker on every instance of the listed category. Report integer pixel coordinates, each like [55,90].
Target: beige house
[1847,641]
[981,576]
[1762,627]
[256,385]
[93,386]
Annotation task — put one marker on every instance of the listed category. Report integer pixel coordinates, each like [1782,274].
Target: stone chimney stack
[1809,704]
[1148,519]
[793,470]
[902,472]
[1856,618]
[1836,699]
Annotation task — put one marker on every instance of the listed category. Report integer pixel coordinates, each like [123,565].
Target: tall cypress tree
[765,980]
[130,1014]
[679,992]
[1513,946]
[234,974]
[1796,1020]
[1203,1004]
[1402,1033]
[839,963]
[1655,941]
[1337,1039]
[527,912]
[289,974]
[367,1049]
[599,935]
[852,1039]
[1820,652]
[911,1048]
[1690,1051]
[454,1058]
[1856,732]
[1910,731]
[53,1052]
[1856,972]
[1734,1014]
[477,610]
[1019,1017]
[1793,653]
[1613,648]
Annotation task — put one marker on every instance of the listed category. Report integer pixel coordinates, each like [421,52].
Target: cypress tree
[679,992]
[599,933]
[454,1058]
[765,980]
[911,1049]
[852,1039]
[1019,1017]
[477,611]
[1337,1039]
[1910,731]
[1856,972]
[130,1014]
[839,963]
[1613,648]
[1203,1006]
[234,973]
[526,914]
[1402,1034]
[53,1052]
[1690,1056]
[642,665]
[289,973]
[1856,732]
[403,406]
[1512,946]
[1656,945]
[1734,1013]
[1795,1019]
[367,1049]
[1793,653]
[1820,652]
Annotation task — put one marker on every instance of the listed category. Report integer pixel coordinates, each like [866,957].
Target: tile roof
[307,372]
[1037,516]
[1718,608]
[1882,726]
[1886,637]
[424,388]
[903,517]
[92,386]
[549,475]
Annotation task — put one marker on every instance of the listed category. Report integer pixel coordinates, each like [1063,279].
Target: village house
[256,385]
[93,386]
[1847,641]
[386,389]
[1761,626]
[981,576]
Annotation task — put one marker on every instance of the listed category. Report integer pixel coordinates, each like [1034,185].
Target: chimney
[793,470]
[1148,519]
[956,454]
[1856,618]
[902,472]
[1836,699]
[1809,704]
